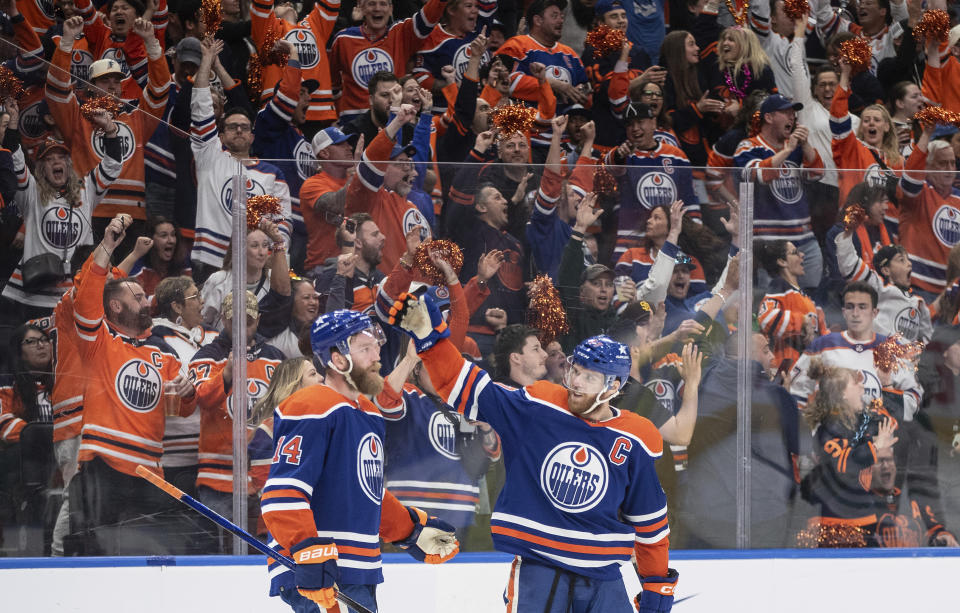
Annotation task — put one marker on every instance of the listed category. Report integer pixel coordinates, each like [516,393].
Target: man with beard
[127,370]
[355,275]
[324,502]
[384,88]
[579,472]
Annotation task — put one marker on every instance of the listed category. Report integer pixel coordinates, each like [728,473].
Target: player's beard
[579,403]
[368,380]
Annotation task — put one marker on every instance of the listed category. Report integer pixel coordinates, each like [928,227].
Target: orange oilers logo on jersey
[656,189]
[786,187]
[306,44]
[370,467]
[306,163]
[256,388]
[443,434]
[413,218]
[253,187]
[128,142]
[368,62]
[946,225]
[61,227]
[117,54]
[138,385]
[907,322]
[80,61]
[31,123]
[574,477]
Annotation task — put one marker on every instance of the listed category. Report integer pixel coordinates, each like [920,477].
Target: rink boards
[710,581]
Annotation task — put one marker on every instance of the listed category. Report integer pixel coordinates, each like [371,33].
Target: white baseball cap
[104,67]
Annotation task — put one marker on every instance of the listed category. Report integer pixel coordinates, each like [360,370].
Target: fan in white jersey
[57,207]
[219,157]
[853,348]
[900,310]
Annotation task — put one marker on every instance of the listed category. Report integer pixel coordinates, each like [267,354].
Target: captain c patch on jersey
[574,477]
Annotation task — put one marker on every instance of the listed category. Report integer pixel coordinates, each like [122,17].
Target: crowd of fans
[373,124]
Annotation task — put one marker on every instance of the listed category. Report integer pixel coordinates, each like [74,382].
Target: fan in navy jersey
[581,494]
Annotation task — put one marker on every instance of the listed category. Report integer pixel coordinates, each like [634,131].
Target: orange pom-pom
[448,251]
[604,183]
[755,123]
[10,85]
[262,207]
[255,78]
[857,52]
[853,216]
[211,15]
[513,119]
[832,535]
[545,312]
[605,39]
[268,54]
[101,103]
[888,355]
[937,115]
[796,9]
[934,25]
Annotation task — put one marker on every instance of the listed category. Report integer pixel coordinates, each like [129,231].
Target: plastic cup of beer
[171,399]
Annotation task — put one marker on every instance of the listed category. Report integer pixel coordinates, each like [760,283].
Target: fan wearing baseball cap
[781,160]
[136,126]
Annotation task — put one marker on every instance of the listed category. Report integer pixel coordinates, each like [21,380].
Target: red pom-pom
[269,55]
[605,39]
[796,9]
[448,251]
[934,25]
[513,119]
[857,52]
[853,216]
[262,207]
[211,15]
[10,85]
[604,183]
[545,312]
[101,103]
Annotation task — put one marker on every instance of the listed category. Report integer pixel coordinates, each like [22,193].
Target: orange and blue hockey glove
[419,317]
[657,594]
[317,570]
[432,540]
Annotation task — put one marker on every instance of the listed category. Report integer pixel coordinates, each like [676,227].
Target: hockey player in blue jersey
[324,502]
[581,494]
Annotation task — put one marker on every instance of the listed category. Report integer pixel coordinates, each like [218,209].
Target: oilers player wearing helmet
[581,493]
[324,502]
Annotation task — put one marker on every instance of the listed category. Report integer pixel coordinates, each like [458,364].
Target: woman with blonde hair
[846,449]
[873,154]
[743,65]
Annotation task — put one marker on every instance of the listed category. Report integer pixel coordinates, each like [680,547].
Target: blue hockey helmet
[604,355]
[334,330]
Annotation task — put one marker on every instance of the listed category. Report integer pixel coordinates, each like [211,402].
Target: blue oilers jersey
[578,495]
[424,468]
[326,480]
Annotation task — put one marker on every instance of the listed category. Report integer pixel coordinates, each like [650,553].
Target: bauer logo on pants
[370,467]
[574,477]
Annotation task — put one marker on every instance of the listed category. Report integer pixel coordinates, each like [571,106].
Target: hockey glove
[420,318]
[432,540]
[657,594]
[317,570]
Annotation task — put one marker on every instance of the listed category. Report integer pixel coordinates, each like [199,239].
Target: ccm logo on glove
[315,553]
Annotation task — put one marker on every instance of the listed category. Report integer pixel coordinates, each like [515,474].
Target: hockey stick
[226,524]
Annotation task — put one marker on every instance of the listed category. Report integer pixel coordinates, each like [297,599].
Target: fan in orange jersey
[357,53]
[126,370]
[137,121]
[309,35]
